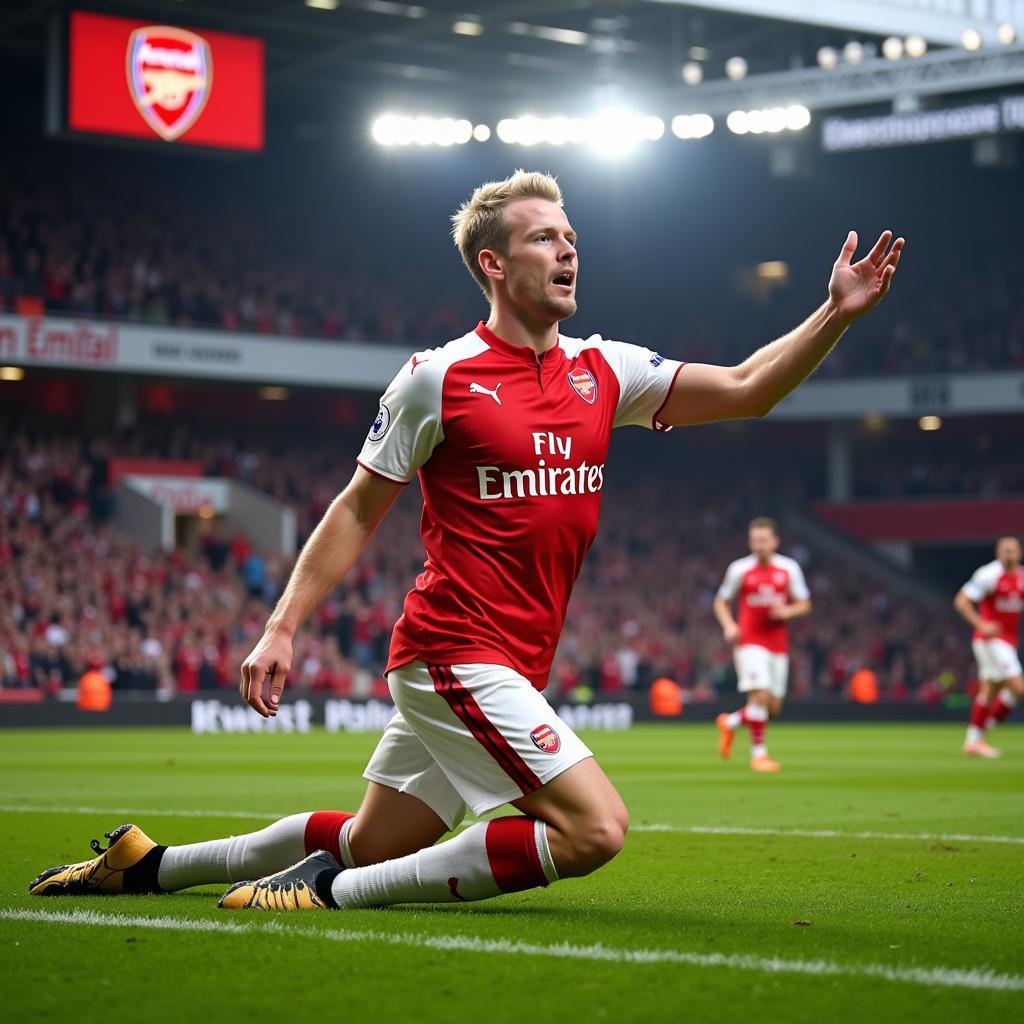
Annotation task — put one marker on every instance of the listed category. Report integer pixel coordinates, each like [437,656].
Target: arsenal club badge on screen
[164,83]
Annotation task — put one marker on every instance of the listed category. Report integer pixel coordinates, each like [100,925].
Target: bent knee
[596,842]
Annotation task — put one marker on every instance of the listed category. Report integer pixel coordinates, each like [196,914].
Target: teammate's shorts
[476,735]
[997,660]
[757,668]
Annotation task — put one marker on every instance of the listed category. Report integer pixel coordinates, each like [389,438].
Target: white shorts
[476,735]
[757,668]
[997,660]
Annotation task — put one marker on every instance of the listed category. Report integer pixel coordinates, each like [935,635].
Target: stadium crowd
[90,245]
[76,595]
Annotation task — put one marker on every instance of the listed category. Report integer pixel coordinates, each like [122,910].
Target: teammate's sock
[487,859]
[755,717]
[1001,707]
[252,855]
[979,720]
[735,720]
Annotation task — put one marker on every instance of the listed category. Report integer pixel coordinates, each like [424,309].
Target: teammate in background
[508,430]
[997,589]
[770,590]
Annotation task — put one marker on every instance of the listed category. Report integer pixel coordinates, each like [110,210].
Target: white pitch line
[978,978]
[697,830]
[826,833]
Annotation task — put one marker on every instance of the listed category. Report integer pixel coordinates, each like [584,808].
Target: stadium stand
[77,596]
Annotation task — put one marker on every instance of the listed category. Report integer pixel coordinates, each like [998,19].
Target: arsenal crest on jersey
[584,385]
[170,72]
[545,738]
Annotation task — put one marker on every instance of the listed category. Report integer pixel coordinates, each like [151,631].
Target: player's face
[540,264]
[1008,552]
[763,542]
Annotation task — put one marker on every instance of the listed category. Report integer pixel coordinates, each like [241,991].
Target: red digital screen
[145,80]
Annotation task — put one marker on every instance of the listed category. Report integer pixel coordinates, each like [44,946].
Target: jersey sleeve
[731,583]
[798,589]
[981,584]
[408,425]
[645,380]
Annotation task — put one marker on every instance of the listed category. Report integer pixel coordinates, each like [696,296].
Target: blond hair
[763,523]
[479,223]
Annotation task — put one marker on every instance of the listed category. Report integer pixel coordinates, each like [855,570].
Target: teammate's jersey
[999,596]
[759,589]
[510,449]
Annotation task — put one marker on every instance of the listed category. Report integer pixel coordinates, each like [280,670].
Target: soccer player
[507,429]
[992,601]
[771,591]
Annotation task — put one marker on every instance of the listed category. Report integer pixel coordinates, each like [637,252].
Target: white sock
[975,734]
[735,720]
[758,750]
[487,859]
[347,860]
[237,858]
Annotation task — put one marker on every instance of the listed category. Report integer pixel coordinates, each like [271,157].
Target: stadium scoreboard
[148,82]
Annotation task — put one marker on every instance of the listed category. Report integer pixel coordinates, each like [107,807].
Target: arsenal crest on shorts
[170,72]
[545,738]
[584,385]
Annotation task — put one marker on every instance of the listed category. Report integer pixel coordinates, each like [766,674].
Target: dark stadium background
[666,238]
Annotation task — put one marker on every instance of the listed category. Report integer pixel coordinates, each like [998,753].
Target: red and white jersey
[760,588]
[510,449]
[999,596]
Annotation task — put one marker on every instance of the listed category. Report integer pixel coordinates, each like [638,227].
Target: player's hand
[857,287]
[779,614]
[986,628]
[272,656]
[731,633]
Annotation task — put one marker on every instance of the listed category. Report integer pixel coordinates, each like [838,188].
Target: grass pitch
[880,878]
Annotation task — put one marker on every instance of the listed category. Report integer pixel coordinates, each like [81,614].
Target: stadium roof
[575,53]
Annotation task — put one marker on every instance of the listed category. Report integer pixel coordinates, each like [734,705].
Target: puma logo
[479,389]
[453,884]
[417,362]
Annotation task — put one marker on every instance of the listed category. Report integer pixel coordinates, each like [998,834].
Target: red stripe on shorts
[512,854]
[466,709]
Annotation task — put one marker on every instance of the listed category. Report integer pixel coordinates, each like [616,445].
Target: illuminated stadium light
[692,73]
[323,5]
[692,126]
[971,39]
[770,120]
[467,28]
[798,117]
[874,421]
[773,270]
[273,393]
[736,68]
[916,46]
[892,48]
[930,422]
[568,36]
[699,53]
[394,130]
[611,132]
[828,58]
[11,373]
[481,133]
[853,52]
[1006,33]
[737,122]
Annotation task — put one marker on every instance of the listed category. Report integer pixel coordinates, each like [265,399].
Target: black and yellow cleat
[128,865]
[295,888]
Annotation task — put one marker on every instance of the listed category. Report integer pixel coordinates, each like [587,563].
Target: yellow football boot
[128,865]
[291,889]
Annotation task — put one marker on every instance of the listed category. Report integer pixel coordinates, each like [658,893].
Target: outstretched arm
[965,606]
[703,393]
[327,556]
